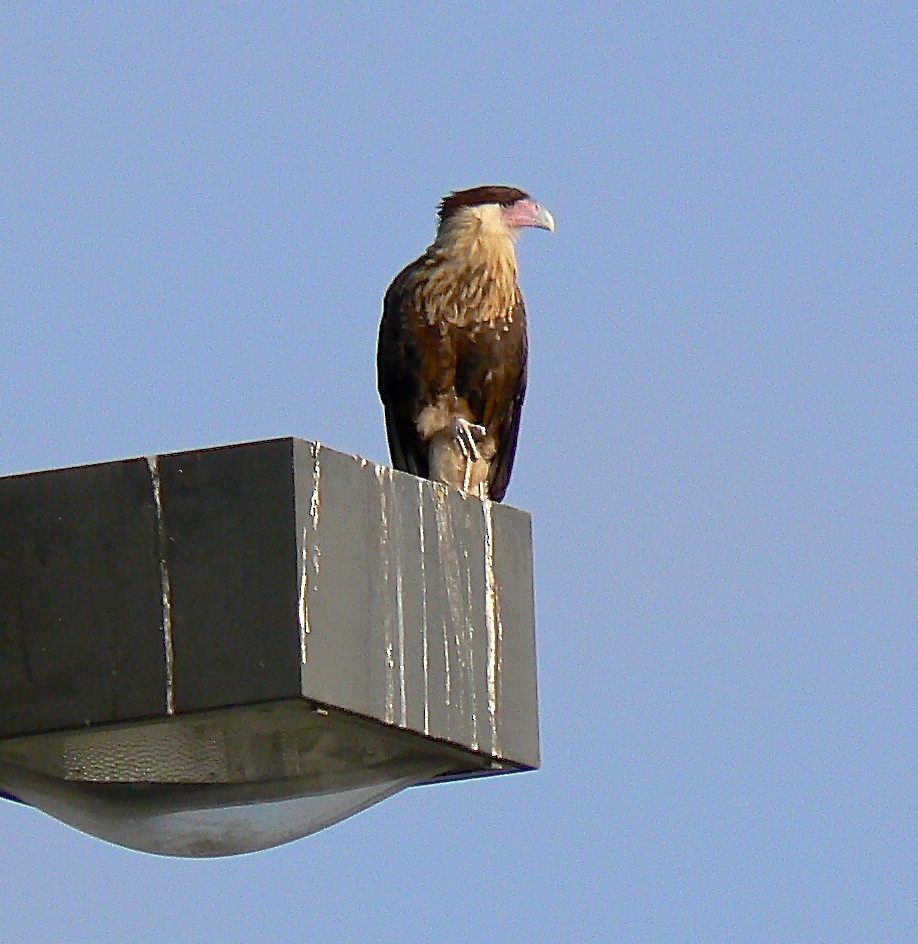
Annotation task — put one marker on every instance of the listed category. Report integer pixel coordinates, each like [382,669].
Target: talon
[467,436]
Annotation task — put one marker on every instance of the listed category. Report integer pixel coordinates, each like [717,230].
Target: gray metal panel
[230,555]
[418,604]
[80,633]
[516,601]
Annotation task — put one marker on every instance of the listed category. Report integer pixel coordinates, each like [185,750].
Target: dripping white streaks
[425,651]
[385,568]
[303,605]
[459,630]
[450,564]
[399,603]
[492,624]
[468,638]
[310,553]
[165,586]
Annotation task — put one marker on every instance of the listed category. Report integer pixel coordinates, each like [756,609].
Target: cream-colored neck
[472,270]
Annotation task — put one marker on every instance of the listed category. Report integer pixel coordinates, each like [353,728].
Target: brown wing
[492,378]
[398,369]
[502,465]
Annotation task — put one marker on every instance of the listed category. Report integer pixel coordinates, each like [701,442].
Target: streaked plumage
[452,348]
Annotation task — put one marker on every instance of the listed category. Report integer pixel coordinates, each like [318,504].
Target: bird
[452,349]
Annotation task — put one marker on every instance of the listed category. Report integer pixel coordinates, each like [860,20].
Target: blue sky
[202,206]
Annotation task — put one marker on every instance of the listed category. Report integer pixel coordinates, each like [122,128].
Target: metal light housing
[217,651]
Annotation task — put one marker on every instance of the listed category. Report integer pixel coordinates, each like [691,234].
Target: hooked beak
[527,212]
[544,220]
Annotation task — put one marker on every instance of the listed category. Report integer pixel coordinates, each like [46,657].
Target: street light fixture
[217,651]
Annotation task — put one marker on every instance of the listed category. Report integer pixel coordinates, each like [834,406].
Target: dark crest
[476,196]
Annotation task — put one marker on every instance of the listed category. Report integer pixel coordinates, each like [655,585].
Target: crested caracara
[451,359]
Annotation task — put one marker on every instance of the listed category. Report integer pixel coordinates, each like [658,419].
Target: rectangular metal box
[261,572]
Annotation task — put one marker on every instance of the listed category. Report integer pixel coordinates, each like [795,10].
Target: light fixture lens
[220,782]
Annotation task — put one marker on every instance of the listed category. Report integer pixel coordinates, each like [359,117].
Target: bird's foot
[467,436]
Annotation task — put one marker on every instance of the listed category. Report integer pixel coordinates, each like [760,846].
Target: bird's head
[505,208]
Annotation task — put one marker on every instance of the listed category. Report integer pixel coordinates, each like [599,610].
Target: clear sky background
[202,205]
